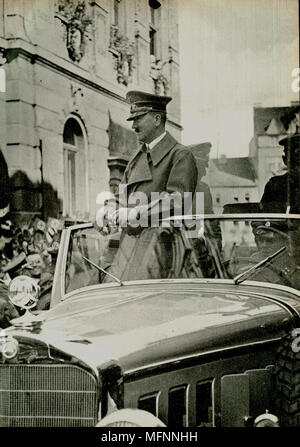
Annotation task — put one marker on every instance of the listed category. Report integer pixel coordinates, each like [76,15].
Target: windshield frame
[58,290]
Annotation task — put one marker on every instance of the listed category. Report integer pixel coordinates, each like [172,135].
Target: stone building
[232,180]
[242,179]
[67,66]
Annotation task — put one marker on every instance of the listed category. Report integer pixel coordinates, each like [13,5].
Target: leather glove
[124,217]
[103,220]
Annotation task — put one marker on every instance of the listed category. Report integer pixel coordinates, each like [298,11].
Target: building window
[236,199]
[247,197]
[154,28]
[75,176]
[218,199]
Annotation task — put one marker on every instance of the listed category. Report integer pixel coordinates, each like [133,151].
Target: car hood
[150,322]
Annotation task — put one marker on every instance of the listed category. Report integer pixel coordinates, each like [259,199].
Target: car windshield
[263,248]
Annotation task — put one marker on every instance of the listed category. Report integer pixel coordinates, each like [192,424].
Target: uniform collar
[156,141]
[160,149]
[157,153]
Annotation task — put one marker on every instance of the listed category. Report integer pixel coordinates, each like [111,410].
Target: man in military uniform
[282,195]
[282,192]
[160,165]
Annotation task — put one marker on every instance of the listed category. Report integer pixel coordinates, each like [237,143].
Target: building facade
[271,124]
[232,180]
[241,180]
[67,66]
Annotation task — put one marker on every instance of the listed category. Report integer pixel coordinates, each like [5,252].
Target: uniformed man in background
[282,192]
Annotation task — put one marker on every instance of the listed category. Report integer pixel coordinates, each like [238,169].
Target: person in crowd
[282,192]
[38,267]
[7,309]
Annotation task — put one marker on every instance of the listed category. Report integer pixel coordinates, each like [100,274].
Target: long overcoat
[170,167]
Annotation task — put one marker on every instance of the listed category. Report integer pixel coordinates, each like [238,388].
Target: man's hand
[104,220]
[124,217]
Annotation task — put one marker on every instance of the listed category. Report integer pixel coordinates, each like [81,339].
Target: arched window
[75,168]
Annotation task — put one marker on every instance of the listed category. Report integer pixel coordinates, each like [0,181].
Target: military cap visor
[142,103]
[291,141]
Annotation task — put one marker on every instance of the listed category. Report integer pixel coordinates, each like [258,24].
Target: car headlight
[9,347]
[23,292]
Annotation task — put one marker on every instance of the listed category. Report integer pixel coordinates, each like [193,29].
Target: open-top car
[198,328]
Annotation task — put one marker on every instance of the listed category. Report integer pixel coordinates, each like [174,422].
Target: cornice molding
[34,57]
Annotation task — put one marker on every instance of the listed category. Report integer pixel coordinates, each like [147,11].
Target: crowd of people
[29,250]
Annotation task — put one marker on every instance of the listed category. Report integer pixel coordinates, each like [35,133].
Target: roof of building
[264,115]
[237,166]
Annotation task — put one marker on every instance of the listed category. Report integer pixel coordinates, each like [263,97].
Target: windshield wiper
[102,270]
[245,275]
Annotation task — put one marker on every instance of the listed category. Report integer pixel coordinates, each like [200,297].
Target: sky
[234,54]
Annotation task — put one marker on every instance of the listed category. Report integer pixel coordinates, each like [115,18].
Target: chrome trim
[213,403]
[59,277]
[53,397]
[199,354]
[183,280]
[235,216]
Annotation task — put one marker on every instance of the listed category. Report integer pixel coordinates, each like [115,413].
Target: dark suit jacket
[275,196]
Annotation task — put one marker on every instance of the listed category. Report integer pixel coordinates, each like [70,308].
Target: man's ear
[157,119]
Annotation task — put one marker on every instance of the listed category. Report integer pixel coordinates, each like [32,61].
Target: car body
[193,351]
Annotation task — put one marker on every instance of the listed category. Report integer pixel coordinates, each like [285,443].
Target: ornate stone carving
[77,97]
[73,15]
[160,81]
[124,53]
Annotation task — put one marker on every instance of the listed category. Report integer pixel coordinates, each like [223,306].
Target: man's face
[145,127]
[36,264]
[294,162]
